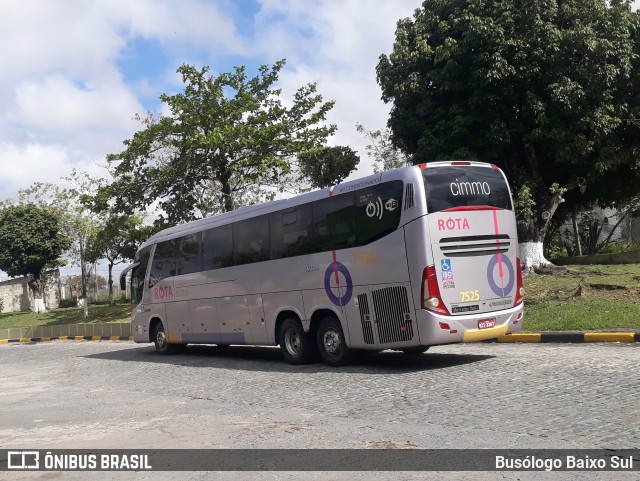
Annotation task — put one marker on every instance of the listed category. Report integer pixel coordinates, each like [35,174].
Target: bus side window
[217,248]
[290,232]
[378,211]
[138,274]
[189,258]
[164,262]
[251,240]
[334,223]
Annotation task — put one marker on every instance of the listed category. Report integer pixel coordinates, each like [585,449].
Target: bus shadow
[269,359]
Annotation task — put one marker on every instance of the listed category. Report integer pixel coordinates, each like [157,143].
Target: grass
[584,298]
[69,315]
[578,298]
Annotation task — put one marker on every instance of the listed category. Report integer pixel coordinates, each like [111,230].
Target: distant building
[17,296]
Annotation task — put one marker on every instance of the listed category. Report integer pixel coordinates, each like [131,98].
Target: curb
[105,331]
[25,340]
[571,337]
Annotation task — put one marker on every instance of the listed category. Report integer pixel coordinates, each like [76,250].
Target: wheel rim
[161,338]
[331,341]
[292,342]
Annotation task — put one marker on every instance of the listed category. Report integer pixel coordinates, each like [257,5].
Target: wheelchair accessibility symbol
[445,265]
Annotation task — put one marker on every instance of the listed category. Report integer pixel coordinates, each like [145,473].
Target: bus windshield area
[451,187]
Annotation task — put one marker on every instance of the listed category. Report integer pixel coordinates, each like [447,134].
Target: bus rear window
[449,187]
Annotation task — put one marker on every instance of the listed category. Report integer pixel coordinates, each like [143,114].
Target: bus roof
[267,207]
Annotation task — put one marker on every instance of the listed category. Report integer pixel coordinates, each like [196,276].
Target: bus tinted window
[462,186]
[138,273]
[290,232]
[251,240]
[217,246]
[163,264]
[378,211]
[334,223]
[189,258]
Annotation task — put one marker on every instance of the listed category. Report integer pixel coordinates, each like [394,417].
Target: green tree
[31,239]
[225,139]
[384,153]
[542,88]
[117,241]
[79,222]
[327,166]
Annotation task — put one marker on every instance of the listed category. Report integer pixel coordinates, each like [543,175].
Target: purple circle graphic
[338,301]
[497,290]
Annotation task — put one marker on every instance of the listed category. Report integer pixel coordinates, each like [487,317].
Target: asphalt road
[107,395]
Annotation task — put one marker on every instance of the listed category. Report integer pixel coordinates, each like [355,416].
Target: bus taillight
[431,292]
[520,288]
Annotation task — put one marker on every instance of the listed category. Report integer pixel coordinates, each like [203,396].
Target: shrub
[73,302]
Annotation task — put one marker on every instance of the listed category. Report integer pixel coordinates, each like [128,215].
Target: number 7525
[469,296]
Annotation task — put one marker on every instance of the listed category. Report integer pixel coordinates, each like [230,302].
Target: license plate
[486,323]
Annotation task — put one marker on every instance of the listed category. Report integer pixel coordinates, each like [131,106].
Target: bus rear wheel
[297,346]
[331,343]
[161,342]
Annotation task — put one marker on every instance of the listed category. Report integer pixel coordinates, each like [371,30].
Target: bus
[404,260]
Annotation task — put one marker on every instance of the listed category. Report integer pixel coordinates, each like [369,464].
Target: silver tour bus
[404,260]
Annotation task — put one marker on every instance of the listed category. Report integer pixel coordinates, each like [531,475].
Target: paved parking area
[75,394]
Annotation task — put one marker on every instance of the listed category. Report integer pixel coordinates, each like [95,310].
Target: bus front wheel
[331,343]
[161,343]
[297,346]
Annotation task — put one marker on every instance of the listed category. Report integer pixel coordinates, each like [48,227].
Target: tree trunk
[37,287]
[532,231]
[110,284]
[576,232]
[532,255]
[225,180]
[83,272]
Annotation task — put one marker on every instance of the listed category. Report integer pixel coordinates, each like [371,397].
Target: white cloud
[337,45]
[27,163]
[191,23]
[65,102]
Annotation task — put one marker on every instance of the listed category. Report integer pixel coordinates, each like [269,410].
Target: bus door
[381,316]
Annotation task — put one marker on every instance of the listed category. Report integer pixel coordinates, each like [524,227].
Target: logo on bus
[165,292]
[332,271]
[499,288]
[470,188]
[457,223]
[376,209]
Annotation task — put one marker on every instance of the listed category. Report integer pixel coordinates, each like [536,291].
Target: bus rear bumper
[437,329]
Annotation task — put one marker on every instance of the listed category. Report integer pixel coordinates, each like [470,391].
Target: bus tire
[161,343]
[296,345]
[331,343]
[415,351]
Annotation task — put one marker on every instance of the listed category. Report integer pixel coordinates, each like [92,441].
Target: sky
[75,73]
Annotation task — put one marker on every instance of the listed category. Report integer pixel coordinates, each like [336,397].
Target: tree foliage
[327,166]
[382,150]
[225,139]
[117,241]
[31,239]
[78,221]
[542,88]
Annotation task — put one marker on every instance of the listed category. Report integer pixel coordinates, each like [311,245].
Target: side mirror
[123,283]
